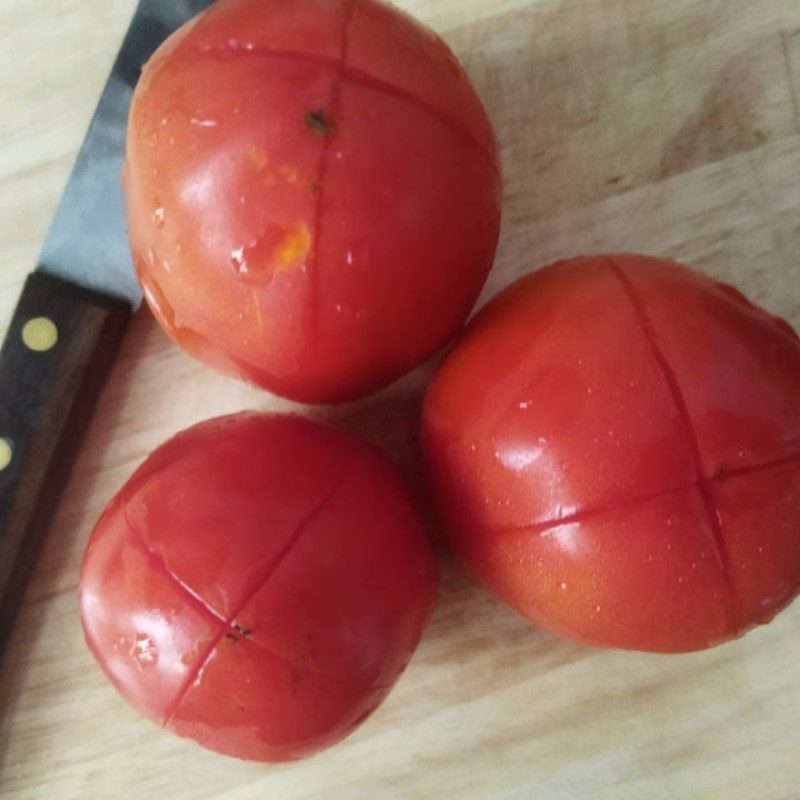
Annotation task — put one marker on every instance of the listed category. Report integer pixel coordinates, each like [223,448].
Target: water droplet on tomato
[144,651]
[159,216]
[239,261]
[358,255]
[199,122]
[157,302]
[518,457]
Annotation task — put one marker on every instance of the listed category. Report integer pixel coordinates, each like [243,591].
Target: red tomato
[615,446]
[313,193]
[258,585]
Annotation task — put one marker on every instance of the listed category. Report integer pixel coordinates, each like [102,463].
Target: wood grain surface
[666,127]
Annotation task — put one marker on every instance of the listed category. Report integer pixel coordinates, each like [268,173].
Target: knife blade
[86,244]
[71,317]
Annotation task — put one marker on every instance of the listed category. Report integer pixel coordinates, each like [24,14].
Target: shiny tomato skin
[258,585]
[313,193]
[614,446]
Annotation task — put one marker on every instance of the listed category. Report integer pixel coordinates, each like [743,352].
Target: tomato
[615,448]
[258,585]
[313,193]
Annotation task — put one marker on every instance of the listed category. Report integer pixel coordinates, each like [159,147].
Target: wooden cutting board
[665,126]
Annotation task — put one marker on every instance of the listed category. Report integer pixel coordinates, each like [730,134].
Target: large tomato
[313,193]
[615,446]
[258,585]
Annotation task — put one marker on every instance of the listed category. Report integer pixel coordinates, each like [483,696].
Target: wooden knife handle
[56,356]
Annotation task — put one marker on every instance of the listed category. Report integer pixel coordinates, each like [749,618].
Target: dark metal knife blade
[71,317]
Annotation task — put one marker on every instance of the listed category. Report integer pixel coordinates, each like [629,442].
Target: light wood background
[665,126]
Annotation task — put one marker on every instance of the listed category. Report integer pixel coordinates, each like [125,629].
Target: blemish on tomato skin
[290,174]
[239,703]
[258,158]
[296,245]
[277,249]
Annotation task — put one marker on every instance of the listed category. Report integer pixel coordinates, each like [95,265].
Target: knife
[71,317]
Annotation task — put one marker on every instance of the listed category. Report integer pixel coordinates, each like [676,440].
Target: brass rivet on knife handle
[6,453]
[40,334]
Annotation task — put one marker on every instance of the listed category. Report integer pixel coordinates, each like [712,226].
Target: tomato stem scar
[320,123]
